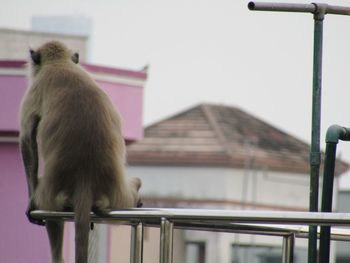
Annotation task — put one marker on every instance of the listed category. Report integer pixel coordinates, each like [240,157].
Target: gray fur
[69,122]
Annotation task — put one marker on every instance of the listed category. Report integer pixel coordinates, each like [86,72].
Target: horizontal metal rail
[286,224]
[185,215]
[301,8]
[245,222]
[337,234]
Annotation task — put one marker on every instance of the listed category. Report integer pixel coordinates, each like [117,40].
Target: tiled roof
[216,135]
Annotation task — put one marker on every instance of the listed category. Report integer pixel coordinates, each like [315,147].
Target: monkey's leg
[29,150]
[55,233]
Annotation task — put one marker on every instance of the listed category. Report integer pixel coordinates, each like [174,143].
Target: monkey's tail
[82,208]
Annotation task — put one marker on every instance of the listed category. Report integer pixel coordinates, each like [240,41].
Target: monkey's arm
[29,150]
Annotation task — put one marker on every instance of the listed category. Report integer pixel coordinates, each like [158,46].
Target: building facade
[14,44]
[220,157]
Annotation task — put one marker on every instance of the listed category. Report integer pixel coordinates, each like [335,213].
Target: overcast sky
[215,51]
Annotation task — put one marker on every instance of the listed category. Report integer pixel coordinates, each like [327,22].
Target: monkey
[70,124]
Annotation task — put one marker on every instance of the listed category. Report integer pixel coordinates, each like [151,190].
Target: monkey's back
[80,134]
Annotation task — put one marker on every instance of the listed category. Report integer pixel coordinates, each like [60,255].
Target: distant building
[343,206]
[15,44]
[214,156]
[71,25]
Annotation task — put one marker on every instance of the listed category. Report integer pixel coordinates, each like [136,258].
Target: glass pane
[195,253]
[247,254]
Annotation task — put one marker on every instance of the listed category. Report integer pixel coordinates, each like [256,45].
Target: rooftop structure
[217,135]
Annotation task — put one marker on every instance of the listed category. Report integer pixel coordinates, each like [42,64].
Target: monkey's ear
[35,56]
[136,182]
[75,58]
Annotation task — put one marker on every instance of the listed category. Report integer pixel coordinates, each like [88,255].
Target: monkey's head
[52,52]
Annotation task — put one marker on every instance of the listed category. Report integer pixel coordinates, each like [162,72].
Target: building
[214,156]
[343,206]
[22,241]
[72,25]
[14,44]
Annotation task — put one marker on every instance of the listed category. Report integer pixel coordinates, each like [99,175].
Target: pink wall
[11,92]
[20,242]
[126,97]
[129,103]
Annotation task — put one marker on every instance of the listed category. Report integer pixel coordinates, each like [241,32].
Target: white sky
[215,51]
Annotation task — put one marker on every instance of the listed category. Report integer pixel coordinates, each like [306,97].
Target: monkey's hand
[139,203]
[31,207]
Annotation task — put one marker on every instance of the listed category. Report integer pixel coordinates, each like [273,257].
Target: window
[195,252]
[250,254]
[270,259]
[266,254]
[342,260]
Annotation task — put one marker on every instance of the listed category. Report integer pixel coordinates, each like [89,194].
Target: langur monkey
[69,122]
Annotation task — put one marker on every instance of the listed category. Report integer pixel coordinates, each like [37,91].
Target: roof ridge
[171,116]
[206,109]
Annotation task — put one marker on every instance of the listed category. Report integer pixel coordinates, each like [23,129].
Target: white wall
[15,44]
[264,188]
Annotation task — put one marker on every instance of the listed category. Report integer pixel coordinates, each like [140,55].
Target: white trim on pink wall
[6,139]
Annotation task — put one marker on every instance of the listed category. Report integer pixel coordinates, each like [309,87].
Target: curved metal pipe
[333,135]
[336,133]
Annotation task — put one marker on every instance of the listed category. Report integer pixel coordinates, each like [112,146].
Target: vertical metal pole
[136,246]
[166,241]
[315,156]
[327,198]
[288,249]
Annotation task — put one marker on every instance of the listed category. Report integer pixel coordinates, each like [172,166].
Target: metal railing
[288,225]
[319,11]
